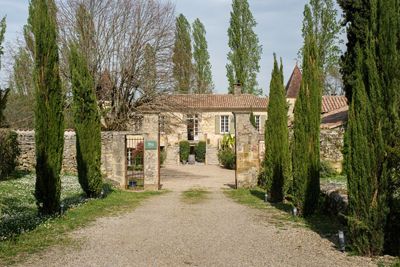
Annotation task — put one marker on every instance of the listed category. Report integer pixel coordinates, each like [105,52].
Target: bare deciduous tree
[114,35]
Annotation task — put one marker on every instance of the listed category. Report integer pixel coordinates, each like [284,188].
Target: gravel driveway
[165,231]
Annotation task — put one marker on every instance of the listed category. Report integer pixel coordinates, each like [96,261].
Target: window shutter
[232,124]
[217,124]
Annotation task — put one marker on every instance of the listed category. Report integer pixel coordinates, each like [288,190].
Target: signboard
[150,145]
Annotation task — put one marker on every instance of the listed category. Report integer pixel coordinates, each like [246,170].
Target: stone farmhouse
[209,117]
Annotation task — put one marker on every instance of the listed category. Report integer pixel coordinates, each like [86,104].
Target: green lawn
[23,232]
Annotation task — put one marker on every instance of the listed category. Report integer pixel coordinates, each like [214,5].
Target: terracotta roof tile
[293,85]
[330,103]
[226,102]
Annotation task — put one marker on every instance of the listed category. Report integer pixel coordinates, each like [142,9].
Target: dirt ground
[166,231]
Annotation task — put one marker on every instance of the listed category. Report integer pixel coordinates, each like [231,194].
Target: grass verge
[279,214]
[53,231]
[195,195]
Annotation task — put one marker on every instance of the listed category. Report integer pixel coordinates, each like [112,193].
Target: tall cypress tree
[49,119]
[245,53]
[277,155]
[87,124]
[202,65]
[388,63]
[305,156]
[182,56]
[368,66]
[149,71]
[367,210]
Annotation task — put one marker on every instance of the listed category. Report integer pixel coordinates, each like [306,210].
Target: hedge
[9,152]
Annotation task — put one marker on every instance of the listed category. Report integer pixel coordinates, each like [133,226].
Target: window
[224,124]
[257,119]
[192,127]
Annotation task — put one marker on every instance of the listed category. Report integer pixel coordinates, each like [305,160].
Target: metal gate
[134,145]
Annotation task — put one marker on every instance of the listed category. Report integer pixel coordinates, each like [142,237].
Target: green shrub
[200,151]
[163,156]
[9,151]
[228,141]
[184,150]
[227,158]
[326,169]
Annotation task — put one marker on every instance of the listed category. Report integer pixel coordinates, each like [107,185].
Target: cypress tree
[149,84]
[182,56]
[202,65]
[305,156]
[245,53]
[389,69]
[367,210]
[370,84]
[49,119]
[87,124]
[277,155]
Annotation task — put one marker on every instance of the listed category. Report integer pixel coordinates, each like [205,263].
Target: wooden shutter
[217,124]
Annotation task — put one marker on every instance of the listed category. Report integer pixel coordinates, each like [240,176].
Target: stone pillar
[247,151]
[119,160]
[151,161]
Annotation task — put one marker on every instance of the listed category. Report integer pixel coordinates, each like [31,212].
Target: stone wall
[27,159]
[331,146]
[247,151]
[113,158]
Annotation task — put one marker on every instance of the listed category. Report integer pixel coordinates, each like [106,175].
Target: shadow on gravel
[170,174]
[327,226]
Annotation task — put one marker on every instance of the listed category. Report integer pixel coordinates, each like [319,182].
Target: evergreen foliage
[367,209]
[321,19]
[49,119]
[9,152]
[253,120]
[200,151]
[87,124]
[388,64]
[277,154]
[182,56]
[184,151]
[305,156]
[150,71]
[357,15]
[245,53]
[202,65]
[371,68]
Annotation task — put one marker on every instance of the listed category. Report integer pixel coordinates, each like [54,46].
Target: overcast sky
[279,31]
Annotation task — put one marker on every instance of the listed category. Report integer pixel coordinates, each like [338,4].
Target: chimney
[237,88]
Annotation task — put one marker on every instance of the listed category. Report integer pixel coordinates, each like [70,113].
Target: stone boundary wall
[331,146]
[27,159]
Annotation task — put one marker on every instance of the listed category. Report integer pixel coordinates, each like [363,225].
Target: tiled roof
[226,102]
[293,85]
[335,118]
[330,103]
[230,102]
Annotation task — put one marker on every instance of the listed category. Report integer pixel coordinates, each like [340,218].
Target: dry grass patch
[195,195]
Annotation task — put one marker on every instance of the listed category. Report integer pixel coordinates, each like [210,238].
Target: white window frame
[224,124]
[194,119]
